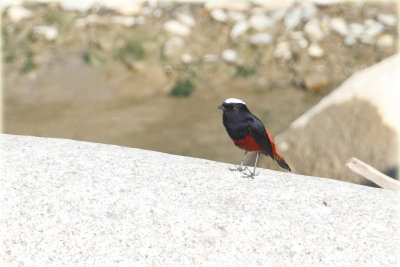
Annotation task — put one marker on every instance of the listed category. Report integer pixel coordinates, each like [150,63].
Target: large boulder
[359,119]
[66,202]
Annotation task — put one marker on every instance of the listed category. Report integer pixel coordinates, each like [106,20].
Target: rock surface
[68,202]
[359,119]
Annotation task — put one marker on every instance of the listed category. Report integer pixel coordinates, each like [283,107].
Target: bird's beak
[221,107]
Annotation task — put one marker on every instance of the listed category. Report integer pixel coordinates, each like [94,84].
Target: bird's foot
[250,174]
[238,168]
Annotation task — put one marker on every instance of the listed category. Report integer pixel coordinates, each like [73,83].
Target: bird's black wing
[259,134]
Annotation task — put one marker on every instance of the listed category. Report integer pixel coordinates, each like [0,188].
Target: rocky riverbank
[116,72]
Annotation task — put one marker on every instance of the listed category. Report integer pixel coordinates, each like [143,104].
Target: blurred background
[150,74]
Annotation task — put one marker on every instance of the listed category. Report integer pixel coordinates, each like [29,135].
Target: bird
[248,132]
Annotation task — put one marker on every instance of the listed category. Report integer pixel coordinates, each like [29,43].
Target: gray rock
[315,51]
[293,18]
[239,29]
[177,28]
[67,201]
[260,22]
[261,39]
[313,30]
[339,25]
[387,19]
[229,55]
[219,15]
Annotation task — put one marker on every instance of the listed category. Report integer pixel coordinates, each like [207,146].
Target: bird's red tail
[275,154]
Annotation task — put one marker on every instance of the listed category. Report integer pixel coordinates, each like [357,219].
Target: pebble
[229,55]
[123,20]
[260,22]
[173,46]
[385,41]
[298,38]
[236,16]
[350,40]
[123,7]
[17,13]
[309,10]
[239,28]
[315,51]
[140,20]
[76,5]
[313,30]
[261,39]
[49,32]
[210,58]
[273,4]
[219,15]
[278,14]
[339,26]
[283,51]
[367,40]
[292,18]
[316,82]
[387,19]
[186,19]
[177,28]
[356,29]
[241,6]
[186,59]
[373,29]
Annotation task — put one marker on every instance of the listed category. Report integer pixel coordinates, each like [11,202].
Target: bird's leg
[241,164]
[252,174]
[240,168]
[255,165]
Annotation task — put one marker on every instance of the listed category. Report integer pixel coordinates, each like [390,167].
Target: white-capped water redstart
[248,132]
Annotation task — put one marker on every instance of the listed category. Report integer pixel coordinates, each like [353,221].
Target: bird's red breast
[250,144]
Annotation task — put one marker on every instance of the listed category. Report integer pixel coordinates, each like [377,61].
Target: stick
[373,175]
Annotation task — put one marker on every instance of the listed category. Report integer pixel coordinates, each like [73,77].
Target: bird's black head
[233,105]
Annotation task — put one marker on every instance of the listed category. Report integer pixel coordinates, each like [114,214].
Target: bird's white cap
[234,101]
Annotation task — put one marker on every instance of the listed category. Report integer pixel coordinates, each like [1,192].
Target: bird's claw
[250,174]
[238,168]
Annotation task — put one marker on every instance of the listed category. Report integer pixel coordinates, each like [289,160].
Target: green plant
[242,71]
[93,58]
[183,88]
[29,64]
[133,48]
